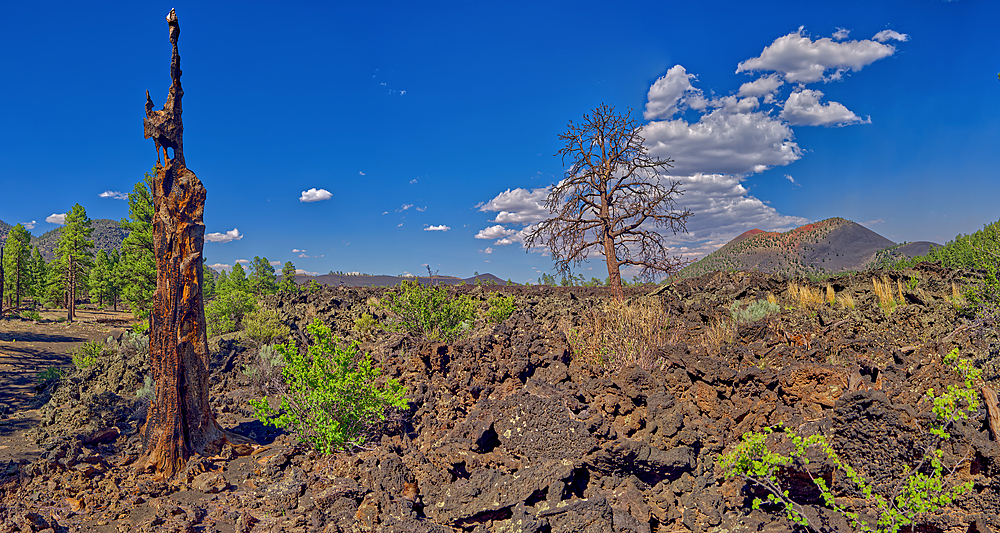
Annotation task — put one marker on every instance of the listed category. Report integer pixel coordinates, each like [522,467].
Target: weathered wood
[180,421]
[992,411]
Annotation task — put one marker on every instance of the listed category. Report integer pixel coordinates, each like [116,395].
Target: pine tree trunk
[71,291]
[2,279]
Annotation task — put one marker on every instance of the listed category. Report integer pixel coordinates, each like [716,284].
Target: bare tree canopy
[612,200]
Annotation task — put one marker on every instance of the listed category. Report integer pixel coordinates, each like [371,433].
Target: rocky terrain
[510,430]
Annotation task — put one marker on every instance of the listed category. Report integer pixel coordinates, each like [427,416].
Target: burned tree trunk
[180,421]
[2,278]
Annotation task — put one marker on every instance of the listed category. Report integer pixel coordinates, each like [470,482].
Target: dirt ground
[28,347]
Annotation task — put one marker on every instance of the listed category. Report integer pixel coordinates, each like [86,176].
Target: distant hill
[348,280]
[826,247]
[4,229]
[107,236]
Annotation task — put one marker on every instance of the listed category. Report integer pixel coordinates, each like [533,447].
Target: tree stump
[180,421]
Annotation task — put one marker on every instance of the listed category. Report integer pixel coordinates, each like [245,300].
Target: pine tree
[208,285]
[103,280]
[137,266]
[74,250]
[287,283]
[238,279]
[261,278]
[222,284]
[16,258]
[38,271]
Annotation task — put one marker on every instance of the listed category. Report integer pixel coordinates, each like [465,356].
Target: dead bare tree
[612,200]
[180,422]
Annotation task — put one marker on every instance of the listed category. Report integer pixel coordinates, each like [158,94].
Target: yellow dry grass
[771,298]
[846,300]
[831,295]
[805,295]
[622,332]
[886,298]
[720,332]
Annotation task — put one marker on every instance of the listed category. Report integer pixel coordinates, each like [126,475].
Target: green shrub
[501,307]
[264,326]
[331,398]
[225,313]
[147,392]
[50,374]
[428,311]
[921,489]
[753,311]
[31,315]
[87,354]
[365,325]
[265,370]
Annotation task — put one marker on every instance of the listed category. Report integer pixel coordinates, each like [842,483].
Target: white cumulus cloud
[762,86]
[56,218]
[494,232]
[800,59]
[315,195]
[442,227]
[519,206]
[29,225]
[114,194]
[723,142]
[243,261]
[841,34]
[803,108]
[219,267]
[664,96]
[228,236]
[886,35]
[296,250]
[488,250]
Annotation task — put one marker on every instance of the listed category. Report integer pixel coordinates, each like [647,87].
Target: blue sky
[420,127]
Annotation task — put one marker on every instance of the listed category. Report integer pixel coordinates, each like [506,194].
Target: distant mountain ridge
[107,236]
[353,280]
[821,248]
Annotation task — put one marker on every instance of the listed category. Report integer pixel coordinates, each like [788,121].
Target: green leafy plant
[500,308]
[331,395]
[264,326]
[31,315]
[87,354]
[754,311]
[920,489]
[226,312]
[429,311]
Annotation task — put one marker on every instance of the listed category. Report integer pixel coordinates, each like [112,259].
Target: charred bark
[2,278]
[180,421]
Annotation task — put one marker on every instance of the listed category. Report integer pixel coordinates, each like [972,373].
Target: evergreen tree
[222,284]
[38,270]
[75,255]
[16,258]
[238,279]
[261,278]
[137,266]
[104,283]
[287,283]
[208,283]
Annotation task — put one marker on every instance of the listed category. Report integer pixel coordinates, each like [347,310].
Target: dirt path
[28,348]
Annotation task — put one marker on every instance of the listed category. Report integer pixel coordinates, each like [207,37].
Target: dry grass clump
[772,298]
[846,300]
[805,295]
[622,332]
[831,295]
[886,298]
[718,334]
[957,299]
